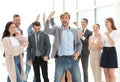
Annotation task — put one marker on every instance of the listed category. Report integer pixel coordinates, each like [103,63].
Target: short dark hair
[36,24]
[85,19]
[16,15]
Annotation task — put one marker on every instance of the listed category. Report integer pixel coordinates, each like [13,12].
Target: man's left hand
[76,55]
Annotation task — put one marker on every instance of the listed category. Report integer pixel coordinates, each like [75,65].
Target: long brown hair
[112,23]
[6,32]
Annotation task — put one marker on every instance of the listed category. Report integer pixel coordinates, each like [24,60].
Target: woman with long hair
[14,44]
[109,55]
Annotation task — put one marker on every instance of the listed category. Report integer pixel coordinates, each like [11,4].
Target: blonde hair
[65,13]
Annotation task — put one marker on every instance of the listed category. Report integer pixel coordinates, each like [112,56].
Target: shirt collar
[63,28]
[84,29]
[37,33]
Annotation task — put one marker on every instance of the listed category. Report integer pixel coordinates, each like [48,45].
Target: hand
[81,35]
[24,44]
[17,33]
[107,33]
[23,76]
[37,18]
[76,55]
[29,63]
[75,23]
[92,43]
[45,58]
[51,14]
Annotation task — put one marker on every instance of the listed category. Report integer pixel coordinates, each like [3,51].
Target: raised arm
[52,22]
[29,30]
[47,29]
[44,19]
[51,14]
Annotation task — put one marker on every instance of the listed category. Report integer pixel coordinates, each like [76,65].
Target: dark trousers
[84,61]
[38,61]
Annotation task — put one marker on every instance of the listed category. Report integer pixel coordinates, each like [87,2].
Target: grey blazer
[43,45]
[56,31]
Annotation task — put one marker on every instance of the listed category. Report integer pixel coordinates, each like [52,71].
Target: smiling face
[84,23]
[12,29]
[96,28]
[108,24]
[65,18]
[36,28]
[16,21]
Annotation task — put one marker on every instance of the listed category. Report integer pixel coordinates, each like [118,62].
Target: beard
[65,24]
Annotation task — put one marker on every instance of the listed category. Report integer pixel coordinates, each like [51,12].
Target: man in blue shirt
[67,46]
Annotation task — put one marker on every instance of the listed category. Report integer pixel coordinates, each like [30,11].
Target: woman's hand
[45,58]
[24,44]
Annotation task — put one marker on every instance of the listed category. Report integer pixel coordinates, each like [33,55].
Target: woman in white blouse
[14,44]
[109,54]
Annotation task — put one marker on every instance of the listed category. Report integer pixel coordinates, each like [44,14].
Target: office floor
[3,72]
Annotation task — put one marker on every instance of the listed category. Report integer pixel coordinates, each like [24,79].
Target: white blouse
[14,42]
[114,35]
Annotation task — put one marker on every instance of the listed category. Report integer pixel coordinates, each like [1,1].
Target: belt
[108,48]
[65,56]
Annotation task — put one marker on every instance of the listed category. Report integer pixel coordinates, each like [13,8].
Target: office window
[58,7]
[102,2]
[57,20]
[103,13]
[72,18]
[85,4]
[70,7]
[87,14]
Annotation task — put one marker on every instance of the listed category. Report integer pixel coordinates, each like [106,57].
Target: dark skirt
[109,58]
